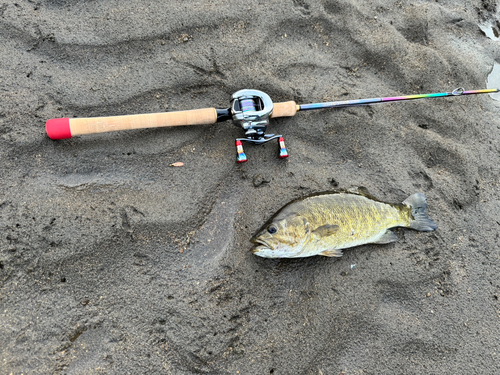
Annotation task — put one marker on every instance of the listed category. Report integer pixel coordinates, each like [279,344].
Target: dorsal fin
[361,190]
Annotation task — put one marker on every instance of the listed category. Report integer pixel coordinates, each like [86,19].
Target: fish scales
[359,218]
[324,224]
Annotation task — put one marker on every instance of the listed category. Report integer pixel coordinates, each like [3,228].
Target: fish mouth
[260,245]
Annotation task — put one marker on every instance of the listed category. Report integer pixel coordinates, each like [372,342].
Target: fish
[326,223]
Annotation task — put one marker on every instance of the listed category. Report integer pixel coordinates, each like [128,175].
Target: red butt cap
[58,128]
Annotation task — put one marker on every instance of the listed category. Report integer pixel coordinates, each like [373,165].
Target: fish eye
[272,229]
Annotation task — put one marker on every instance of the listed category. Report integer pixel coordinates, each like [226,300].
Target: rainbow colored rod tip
[352,103]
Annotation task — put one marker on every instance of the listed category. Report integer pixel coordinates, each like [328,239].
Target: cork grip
[67,128]
[81,126]
[285,109]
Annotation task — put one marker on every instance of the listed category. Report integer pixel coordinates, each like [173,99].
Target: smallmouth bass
[326,223]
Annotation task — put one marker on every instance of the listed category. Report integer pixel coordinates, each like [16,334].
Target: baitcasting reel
[251,110]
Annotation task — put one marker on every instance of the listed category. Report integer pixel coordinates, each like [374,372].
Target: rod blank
[359,102]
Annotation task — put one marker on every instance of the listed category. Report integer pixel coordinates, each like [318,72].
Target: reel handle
[62,128]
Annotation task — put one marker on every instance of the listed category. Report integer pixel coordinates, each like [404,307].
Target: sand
[113,262]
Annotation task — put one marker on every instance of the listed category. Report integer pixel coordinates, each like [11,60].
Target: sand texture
[112,261]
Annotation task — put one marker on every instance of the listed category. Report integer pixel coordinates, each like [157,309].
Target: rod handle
[62,128]
[284,109]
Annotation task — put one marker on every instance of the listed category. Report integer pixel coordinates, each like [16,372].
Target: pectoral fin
[325,230]
[387,237]
[331,253]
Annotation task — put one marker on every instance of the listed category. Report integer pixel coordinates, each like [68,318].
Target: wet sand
[113,262]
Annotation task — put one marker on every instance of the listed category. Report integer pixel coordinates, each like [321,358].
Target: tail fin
[421,221]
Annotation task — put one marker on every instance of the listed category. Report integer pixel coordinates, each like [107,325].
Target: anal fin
[387,237]
[331,253]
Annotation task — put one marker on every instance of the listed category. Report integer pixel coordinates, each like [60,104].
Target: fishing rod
[250,110]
